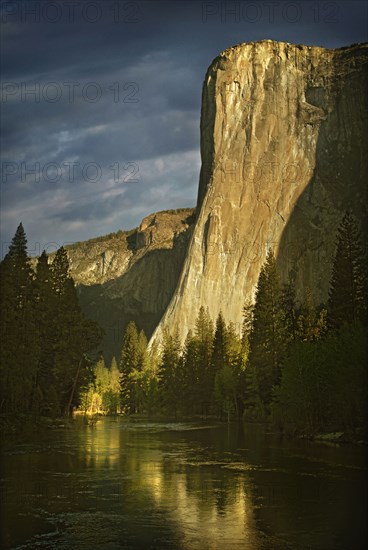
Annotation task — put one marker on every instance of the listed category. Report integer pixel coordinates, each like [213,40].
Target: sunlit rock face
[131,275]
[283,146]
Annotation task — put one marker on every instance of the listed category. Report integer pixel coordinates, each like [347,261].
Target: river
[190,486]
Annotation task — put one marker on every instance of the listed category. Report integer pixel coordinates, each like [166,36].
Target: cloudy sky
[100,102]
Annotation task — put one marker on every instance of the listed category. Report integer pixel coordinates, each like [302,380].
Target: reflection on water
[180,486]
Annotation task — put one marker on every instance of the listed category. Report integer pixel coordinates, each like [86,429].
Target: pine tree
[267,340]
[246,386]
[139,377]
[225,389]
[134,366]
[189,379]
[153,365]
[43,361]
[348,290]
[204,333]
[44,310]
[142,352]
[218,360]
[289,307]
[16,265]
[61,273]
[128,363]
[102,375]
[248,316]
[227,379]
[235,359]
[168,375]
[219,344]
[114,391]
[311,324]
[19,349]
[74,336]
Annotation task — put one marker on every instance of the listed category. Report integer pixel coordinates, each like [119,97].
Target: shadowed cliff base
[140,295]
[339,180]
[131,275]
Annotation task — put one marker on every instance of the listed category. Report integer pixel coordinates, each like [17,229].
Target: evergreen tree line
[300,365]
[45,339]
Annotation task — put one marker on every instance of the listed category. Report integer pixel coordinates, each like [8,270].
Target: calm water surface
[181,486]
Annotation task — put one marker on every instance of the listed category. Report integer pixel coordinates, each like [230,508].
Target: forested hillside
[300,366]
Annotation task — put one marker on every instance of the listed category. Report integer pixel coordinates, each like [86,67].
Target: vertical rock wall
[283,146]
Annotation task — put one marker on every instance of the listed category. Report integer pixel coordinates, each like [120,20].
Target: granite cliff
[283,144]
[283,147]
[131,275]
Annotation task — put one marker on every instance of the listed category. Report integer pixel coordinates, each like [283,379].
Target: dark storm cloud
[118,84]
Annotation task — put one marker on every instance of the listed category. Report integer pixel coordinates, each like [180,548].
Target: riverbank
[22,424]
[358,437]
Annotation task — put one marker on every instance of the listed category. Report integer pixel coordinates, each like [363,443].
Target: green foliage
[74,335]
[324,377]
[168,372]
[102,395]
[86,400]
[195,376]
[303,363]
[284,363]
[268,335]
[225,389]
[133,361]
[112,396]
[311,325]
[102,375]
[299,398]
[44,335]
[289,307]
[219,345]
[349,285]
[227,368]
[347,394]
[19,344]
[324,383]
[151,379]
[191,390]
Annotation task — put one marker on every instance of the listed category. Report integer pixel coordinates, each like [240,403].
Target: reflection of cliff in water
[339,181]
[202,500]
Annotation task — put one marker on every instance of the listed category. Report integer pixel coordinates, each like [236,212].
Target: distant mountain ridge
[131,275]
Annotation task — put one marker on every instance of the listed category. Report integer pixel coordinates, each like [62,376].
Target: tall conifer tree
[348,290]
[19,349]
[168,375]
[267,340]
[129,362]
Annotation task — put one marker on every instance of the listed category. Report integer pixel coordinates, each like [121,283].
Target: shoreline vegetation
[296,367]
[19,426]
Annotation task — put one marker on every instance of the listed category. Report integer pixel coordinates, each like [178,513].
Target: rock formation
[283,143]
[131,275]
[283,146]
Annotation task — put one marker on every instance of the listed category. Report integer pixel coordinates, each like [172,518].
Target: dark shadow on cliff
[207,128]
[141,294]
[339,182]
